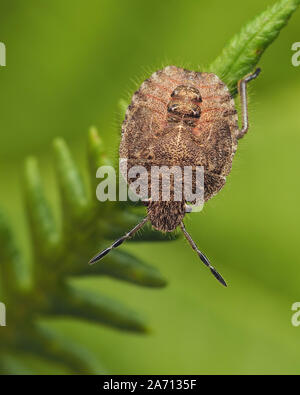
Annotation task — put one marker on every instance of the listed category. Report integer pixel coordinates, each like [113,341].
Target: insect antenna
[203,258]
[118,242]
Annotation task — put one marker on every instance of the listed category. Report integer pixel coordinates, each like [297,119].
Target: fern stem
[243,52]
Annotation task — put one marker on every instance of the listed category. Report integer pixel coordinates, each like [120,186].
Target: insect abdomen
[166,216]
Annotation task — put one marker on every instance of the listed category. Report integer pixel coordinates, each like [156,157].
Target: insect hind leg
[118,242]
[203,258]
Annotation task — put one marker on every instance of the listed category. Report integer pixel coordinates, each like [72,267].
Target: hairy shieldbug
[177,118]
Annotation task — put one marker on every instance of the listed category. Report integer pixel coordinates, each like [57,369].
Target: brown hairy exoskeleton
[182,118]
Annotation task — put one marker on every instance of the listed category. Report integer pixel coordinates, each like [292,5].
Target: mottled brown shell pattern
[151,134]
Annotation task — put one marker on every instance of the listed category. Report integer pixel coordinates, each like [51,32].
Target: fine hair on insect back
[177,119]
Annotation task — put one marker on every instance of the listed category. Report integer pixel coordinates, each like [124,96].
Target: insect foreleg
[244,103]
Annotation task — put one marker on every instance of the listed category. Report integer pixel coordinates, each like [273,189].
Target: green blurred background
[68,64]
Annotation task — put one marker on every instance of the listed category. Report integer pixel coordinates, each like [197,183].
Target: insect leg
[203,258]
[244,104]
[118,242]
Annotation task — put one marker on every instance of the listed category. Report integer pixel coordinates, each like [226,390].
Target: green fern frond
[87,225]
[242,53]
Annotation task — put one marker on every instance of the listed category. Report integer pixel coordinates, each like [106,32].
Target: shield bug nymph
[182,118]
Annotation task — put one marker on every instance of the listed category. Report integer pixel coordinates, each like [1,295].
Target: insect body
[182,118]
